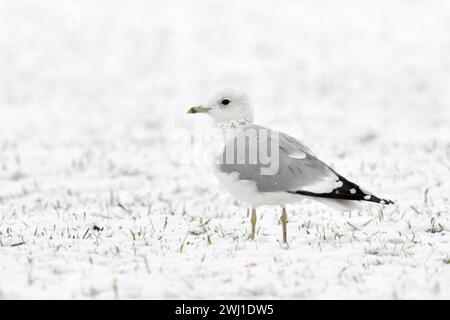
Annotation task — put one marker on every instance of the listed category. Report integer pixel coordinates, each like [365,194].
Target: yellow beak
[198,109]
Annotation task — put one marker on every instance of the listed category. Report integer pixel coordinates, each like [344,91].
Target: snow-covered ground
[98,194]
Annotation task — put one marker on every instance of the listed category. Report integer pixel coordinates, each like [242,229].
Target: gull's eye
[225,102]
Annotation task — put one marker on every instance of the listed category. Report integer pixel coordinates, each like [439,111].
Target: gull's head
[230,104]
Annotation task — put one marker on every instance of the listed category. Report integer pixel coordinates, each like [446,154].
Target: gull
[261,166]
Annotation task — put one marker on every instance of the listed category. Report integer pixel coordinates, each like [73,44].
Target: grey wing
[295,167]
[298,171]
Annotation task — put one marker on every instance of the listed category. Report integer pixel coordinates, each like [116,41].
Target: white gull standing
[261,166]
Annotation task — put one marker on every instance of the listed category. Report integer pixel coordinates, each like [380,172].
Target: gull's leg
[253,221]
[284,221]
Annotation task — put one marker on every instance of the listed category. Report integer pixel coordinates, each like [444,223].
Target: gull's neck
[233,124]
[223,132]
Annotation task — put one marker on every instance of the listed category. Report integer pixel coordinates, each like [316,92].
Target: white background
[93,96]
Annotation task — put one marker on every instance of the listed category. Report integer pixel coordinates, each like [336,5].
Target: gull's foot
[253,221]
[284,221]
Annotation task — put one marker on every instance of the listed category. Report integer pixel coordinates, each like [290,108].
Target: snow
[98,194]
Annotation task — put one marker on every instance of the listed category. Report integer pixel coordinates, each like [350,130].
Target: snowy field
[99,197]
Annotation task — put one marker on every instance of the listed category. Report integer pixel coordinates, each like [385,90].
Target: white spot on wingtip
[367,197]
[352,190]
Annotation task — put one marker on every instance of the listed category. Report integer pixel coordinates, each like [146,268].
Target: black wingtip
[379,200]
[388,202]
[348,191]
